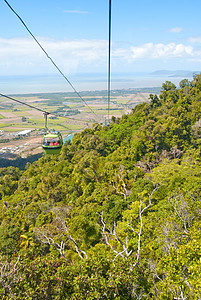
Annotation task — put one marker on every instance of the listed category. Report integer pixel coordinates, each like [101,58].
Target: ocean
[86,82]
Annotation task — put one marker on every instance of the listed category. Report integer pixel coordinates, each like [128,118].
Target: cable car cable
[52,61]
[109,59]
[43,111]
[8,97]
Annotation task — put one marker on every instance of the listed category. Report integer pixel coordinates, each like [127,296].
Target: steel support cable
[43,111]
[8,97]
[109,59]
[52,61]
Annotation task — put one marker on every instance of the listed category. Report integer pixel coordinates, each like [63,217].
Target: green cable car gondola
[52,142]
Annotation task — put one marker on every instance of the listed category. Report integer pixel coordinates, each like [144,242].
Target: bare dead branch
[42,235]
[9,275]
[113,234]
[141,211]
[68,235]
[61,233]
[126,192]
[182,210]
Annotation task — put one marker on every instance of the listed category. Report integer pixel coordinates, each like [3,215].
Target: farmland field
[67,114]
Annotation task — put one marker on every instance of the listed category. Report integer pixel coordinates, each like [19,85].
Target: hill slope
[116,215]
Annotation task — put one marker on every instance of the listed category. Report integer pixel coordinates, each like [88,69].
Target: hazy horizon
[24,84]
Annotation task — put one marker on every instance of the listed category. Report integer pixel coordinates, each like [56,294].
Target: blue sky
[146,36]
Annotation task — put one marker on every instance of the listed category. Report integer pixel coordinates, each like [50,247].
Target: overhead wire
[11,98]
[41,110]
[109,58]
[47,55]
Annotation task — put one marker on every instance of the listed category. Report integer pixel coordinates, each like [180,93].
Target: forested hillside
[117,215]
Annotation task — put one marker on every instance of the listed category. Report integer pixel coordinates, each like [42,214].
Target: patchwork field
[67,114]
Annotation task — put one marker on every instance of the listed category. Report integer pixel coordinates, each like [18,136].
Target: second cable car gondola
[52,141]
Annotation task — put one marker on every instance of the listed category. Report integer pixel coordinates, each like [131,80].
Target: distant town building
[24,132]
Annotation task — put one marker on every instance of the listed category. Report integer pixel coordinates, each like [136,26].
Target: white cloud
[176,29]
[23,56]
[156,51]
[196,39]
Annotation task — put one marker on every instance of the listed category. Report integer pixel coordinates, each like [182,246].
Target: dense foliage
[117,215]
